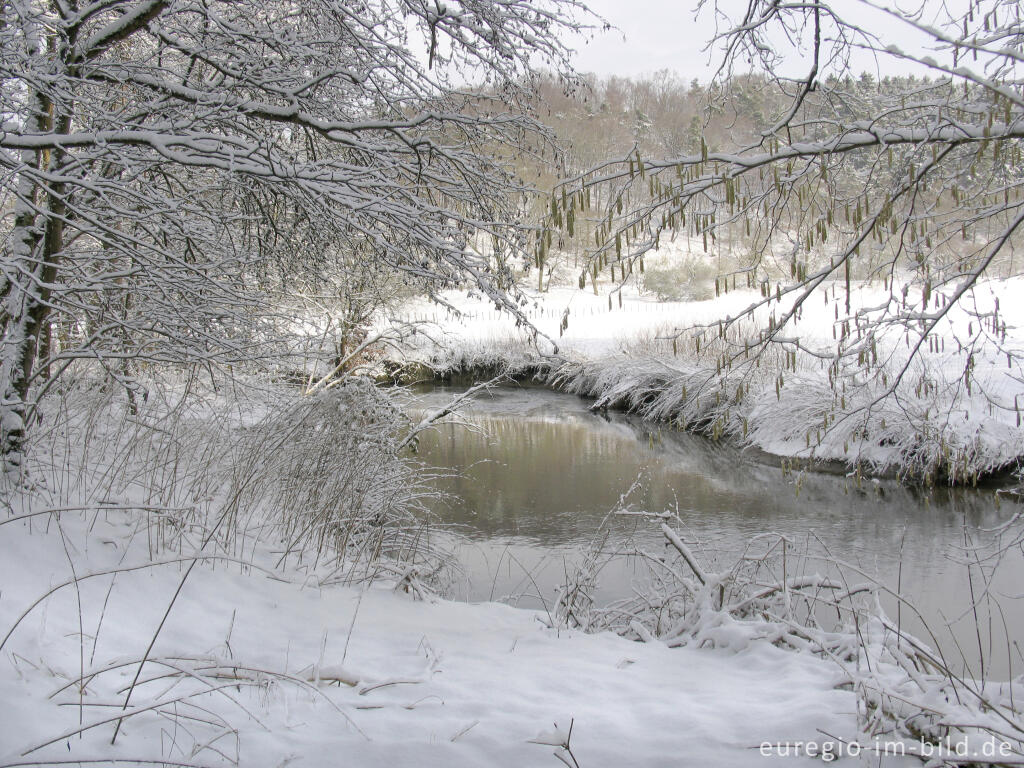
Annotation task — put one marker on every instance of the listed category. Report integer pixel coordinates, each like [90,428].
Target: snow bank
[261,669]
[951,409]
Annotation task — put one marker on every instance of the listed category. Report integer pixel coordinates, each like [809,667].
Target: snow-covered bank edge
[921,418]
[653,389]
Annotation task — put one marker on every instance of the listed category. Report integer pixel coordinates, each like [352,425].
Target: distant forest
[604,121]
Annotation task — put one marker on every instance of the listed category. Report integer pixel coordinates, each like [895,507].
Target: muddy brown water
[537,473]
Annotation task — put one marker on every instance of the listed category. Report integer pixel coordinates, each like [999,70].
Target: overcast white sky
[662,34]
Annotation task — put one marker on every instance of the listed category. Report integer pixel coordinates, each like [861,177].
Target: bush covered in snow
[322,477]
[688,278]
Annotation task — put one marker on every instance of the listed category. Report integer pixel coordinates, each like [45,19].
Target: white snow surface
[439,683]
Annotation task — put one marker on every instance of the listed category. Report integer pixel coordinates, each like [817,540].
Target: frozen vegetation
[215,216]
[248,582]
[258,665]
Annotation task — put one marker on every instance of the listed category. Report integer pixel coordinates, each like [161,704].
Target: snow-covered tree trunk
[21,281]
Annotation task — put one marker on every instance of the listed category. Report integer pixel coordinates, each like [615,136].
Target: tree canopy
[910,181]
[170,164]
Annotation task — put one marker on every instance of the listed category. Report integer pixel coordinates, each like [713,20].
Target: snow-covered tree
[909,178]
[167,163]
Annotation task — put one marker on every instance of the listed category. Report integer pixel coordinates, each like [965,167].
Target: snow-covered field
[269,669]
[953,408]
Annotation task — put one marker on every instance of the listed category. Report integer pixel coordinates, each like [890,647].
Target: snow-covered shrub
[237,467]
[162,451]
[806,600]
[150,521]
[689,279]
[325,475]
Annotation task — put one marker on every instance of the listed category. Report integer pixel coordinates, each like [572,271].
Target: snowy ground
[256,670]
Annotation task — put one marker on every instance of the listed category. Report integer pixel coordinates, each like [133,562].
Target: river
[536,474]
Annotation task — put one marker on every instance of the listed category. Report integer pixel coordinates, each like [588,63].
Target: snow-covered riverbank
[951,408]
[219,581]
[140,585]
[268,668]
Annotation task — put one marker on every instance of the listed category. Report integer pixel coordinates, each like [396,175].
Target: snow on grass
[143,604]
[948,403]
[261,668]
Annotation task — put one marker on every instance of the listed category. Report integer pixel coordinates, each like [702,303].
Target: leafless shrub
[323,476]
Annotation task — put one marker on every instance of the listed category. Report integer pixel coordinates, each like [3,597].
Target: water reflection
[539,473]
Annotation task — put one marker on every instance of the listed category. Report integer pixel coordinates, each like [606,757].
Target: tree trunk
[36,244]
[17,287]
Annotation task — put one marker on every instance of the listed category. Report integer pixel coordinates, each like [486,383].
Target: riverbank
[258,666]
[244,581]
[539,473]
[919,418]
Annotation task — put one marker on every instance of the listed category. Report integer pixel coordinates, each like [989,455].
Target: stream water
[537,473]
